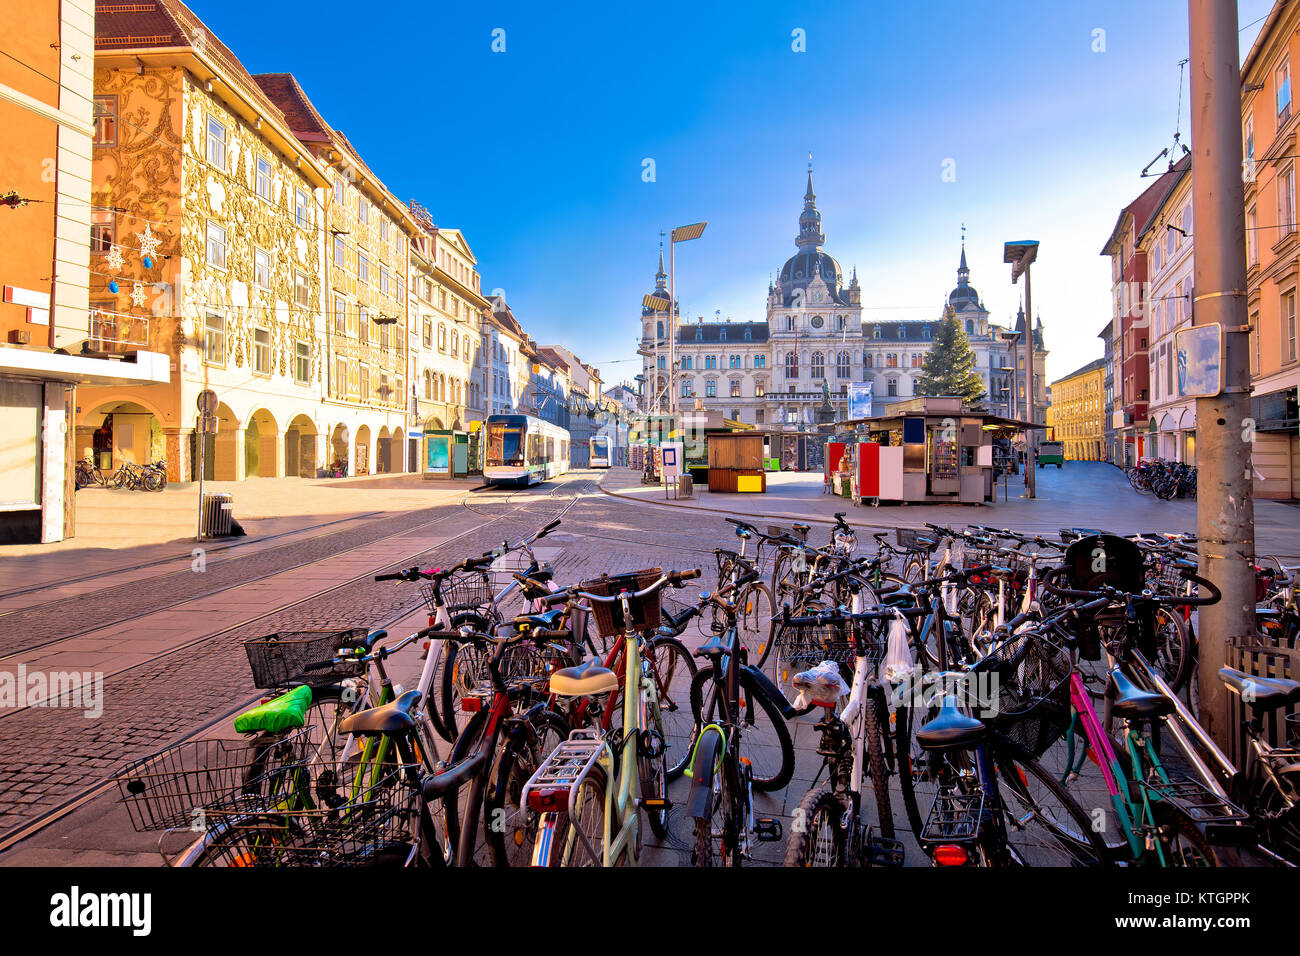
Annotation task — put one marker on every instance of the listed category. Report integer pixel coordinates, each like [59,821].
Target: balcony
[110,333]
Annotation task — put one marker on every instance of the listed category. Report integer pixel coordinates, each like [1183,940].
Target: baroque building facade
[814,342]
[205,245]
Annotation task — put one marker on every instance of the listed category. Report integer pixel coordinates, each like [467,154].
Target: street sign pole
[1225,509]
[207,408]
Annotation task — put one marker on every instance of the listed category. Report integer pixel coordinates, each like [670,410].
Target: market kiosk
[926,450]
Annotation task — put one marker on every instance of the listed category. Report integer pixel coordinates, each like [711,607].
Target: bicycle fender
[703,764]
[766,686]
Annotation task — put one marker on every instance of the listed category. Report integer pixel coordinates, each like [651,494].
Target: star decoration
[137,295]
[149,243]
[115,258]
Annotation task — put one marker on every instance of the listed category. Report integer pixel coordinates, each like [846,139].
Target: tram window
[550,447]
[534,449]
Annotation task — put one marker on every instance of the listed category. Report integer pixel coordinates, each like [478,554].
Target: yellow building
[1077,414]
[205,245]
[368,233]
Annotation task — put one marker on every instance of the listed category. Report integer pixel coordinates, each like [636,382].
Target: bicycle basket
[467,591]
[803,646]
[608,617]
[279,659]
[1026,694]
[171,790]
[376,829]
[916,539]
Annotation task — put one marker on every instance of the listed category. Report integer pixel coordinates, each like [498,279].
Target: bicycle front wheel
[764,731]
[756,620]
[673,669]
[817,835]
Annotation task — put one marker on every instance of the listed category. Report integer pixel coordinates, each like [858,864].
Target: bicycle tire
[753,700]
[674,668]
[820,814]
[875,768]
[1281,826]
[152,481]
[724,809]
[1071,831]
[654,777]
[449,689]
[756,620]
[511,834]
[590,796]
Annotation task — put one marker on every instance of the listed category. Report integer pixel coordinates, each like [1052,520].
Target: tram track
[170,676]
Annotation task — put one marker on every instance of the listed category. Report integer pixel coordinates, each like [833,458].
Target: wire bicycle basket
[280,659]
[379,827]
[1032,678]
[173,789]
[467,591]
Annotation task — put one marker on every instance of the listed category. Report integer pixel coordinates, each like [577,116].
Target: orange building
[46,113]
[1270,121]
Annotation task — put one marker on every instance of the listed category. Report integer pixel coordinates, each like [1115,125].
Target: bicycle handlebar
[1116,595]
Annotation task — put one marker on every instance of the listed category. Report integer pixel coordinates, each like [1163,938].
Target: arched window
[916,360]
[970,327]
[866,359]
[748,335]
[843,366]
[791,365]
[661,330]
[760,388]
[818,365]
[892,386]
[688,362]
[428,385]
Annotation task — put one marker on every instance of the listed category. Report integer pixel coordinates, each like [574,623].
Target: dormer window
[722,335]
[699,334]
[902,331]
[876,333]
[748,335]
[927,332]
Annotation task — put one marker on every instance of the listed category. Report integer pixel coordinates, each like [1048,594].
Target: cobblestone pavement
[56,756]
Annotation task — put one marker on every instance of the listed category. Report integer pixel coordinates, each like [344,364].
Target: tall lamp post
[657,304]
[1021,255]
[680,234]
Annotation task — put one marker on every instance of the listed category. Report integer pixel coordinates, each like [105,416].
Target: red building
[1130,319]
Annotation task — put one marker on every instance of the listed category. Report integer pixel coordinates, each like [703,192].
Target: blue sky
[537,153]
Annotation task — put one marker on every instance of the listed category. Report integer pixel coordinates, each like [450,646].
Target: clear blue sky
[536,153]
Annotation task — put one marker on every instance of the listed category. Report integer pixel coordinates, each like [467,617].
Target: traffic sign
[207,402]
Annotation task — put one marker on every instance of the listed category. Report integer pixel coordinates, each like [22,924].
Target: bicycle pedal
[768,829]
[656,803]
[886,852]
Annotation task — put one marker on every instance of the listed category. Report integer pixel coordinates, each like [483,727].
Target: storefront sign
[1199,351]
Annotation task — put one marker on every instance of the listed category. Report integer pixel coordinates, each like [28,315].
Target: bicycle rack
[567,766]
[1224,823]
[955,816]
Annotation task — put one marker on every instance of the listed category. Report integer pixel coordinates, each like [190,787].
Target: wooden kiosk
[736,462]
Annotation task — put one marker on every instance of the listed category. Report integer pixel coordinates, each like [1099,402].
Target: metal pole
[1225,523]
[202,441]
[672,323]
[1031,436]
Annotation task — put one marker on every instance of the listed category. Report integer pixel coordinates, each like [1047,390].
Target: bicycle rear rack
[1224,823]
[567,766]
[954,817]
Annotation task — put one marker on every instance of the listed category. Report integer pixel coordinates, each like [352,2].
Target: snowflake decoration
[137,295]
[149,243]
[115,258]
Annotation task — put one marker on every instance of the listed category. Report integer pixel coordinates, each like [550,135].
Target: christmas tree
[949,367]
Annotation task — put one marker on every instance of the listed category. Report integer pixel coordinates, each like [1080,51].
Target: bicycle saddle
[713,648]
[393,718]
[589,677]
[1133,703]
[801,527]
[950,728]
[548,620]
[1262,693]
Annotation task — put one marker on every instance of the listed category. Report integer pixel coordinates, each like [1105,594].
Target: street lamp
[658,304]
[1021,255]
[680,234]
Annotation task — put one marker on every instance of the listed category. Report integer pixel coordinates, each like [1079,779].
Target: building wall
[1076,415]
[1269,127]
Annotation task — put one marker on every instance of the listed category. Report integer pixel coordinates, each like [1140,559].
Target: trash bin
[685,486]
[218,513]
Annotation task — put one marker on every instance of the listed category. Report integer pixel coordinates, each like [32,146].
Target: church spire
[661,277]
[963,270]
[810,221]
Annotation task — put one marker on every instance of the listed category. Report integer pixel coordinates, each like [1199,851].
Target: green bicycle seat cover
[286,712]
